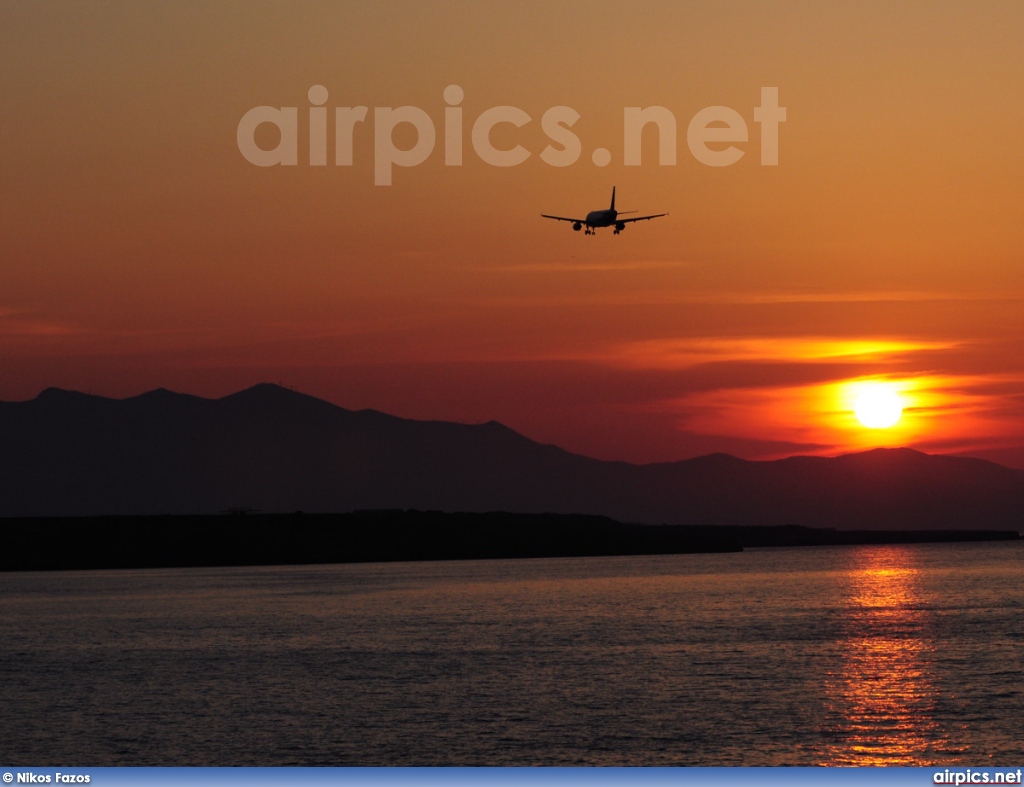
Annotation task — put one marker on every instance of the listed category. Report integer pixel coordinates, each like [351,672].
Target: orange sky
[141,249]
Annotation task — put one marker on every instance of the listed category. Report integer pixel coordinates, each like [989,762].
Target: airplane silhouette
[603,218]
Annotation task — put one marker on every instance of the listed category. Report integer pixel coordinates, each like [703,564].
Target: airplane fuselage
[601,218]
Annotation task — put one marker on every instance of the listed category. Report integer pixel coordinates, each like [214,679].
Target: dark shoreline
[46,544]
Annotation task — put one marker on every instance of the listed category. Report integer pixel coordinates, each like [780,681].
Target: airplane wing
[643,218]
[563,218]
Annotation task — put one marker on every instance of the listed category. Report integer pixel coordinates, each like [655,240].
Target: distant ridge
[271,449]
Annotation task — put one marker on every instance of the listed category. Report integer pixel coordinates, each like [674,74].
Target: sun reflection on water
[882,702]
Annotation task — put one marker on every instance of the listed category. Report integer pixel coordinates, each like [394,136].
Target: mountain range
[272,449]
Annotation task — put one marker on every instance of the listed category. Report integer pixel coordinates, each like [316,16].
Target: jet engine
[577,226]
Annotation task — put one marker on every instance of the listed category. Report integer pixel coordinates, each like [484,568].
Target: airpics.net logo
[710,126]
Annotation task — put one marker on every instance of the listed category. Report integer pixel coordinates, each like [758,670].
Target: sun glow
[938,413]
[878,405]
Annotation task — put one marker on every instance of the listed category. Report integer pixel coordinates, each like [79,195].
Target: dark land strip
[253,539]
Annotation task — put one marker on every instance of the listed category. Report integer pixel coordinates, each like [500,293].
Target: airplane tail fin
[613,199]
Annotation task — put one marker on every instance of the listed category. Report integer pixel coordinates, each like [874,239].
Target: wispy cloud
[681,353]
[847,296]
[14,322]
[581,267]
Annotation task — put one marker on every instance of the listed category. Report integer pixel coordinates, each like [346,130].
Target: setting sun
[878,406]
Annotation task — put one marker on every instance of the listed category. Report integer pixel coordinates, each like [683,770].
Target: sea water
[893,655]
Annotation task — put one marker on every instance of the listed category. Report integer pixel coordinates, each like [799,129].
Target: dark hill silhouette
[272,449]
